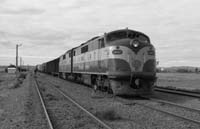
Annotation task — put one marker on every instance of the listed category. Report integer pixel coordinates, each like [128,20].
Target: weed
[50,97]
[15,84]
[57,86]
[196,90]
[42,89]
[109,114]
[22,75]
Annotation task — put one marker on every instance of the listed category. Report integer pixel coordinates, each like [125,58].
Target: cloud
[48,35]
[22,11]
[50,27]
[4,40]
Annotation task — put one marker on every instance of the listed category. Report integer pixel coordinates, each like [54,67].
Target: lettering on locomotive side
[117,52]
[151,52]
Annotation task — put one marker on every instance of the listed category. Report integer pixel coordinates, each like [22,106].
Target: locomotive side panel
[65,63]
[86,58]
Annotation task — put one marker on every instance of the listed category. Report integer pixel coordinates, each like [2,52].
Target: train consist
[122,61]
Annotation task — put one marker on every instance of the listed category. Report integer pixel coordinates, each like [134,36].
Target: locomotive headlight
[135,43]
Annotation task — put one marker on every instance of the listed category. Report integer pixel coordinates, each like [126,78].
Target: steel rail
[43,105]
[177,91]
[174,104]
[159,110]
[82,108]
[169,113]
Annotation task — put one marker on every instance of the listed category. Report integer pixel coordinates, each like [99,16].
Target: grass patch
[196,90]
[42,89]
[15,84]
[109,114]
[57,86]
[79,125]
[22,75]
[50,97]
[170,87]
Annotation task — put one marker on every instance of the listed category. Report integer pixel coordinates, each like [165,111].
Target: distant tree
[157,63]
[196,70]
[11,65]
[158,70]
[182,70]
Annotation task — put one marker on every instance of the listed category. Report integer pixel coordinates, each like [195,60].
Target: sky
[48,28]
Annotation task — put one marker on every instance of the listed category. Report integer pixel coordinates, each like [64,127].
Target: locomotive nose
[136,64]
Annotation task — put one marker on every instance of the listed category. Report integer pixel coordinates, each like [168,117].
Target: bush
[15,84]
[50,97]
[22,75]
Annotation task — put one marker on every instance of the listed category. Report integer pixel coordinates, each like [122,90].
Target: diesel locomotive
[122,61]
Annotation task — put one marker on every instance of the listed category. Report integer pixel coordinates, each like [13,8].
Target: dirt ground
[18,108]
[189,81]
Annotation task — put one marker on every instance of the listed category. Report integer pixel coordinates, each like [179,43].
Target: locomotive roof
[126,30]
[98,37]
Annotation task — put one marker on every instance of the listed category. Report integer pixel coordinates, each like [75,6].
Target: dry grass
[50,97]
[196,90]
[42,89]
[15,84]
[57,86]
[109,114]
[18,81]
[22,75]
[189,81]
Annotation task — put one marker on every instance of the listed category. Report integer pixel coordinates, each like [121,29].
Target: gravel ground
[19,108]
[63,113]
[117,114]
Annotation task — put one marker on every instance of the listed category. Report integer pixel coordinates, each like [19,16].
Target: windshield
[127,34]
[140,37]
[116,35]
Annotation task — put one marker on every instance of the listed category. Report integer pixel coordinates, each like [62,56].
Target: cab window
[101,43]
[116,35]
[64,57]
[84,49]
[138,36]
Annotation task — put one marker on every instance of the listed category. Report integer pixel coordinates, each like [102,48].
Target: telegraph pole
[16,56]
[17,46]
[20,61]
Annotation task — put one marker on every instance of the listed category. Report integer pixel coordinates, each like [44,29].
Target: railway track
[170,113]
[174,104]
[178,92]
[51,125]
[162,102]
